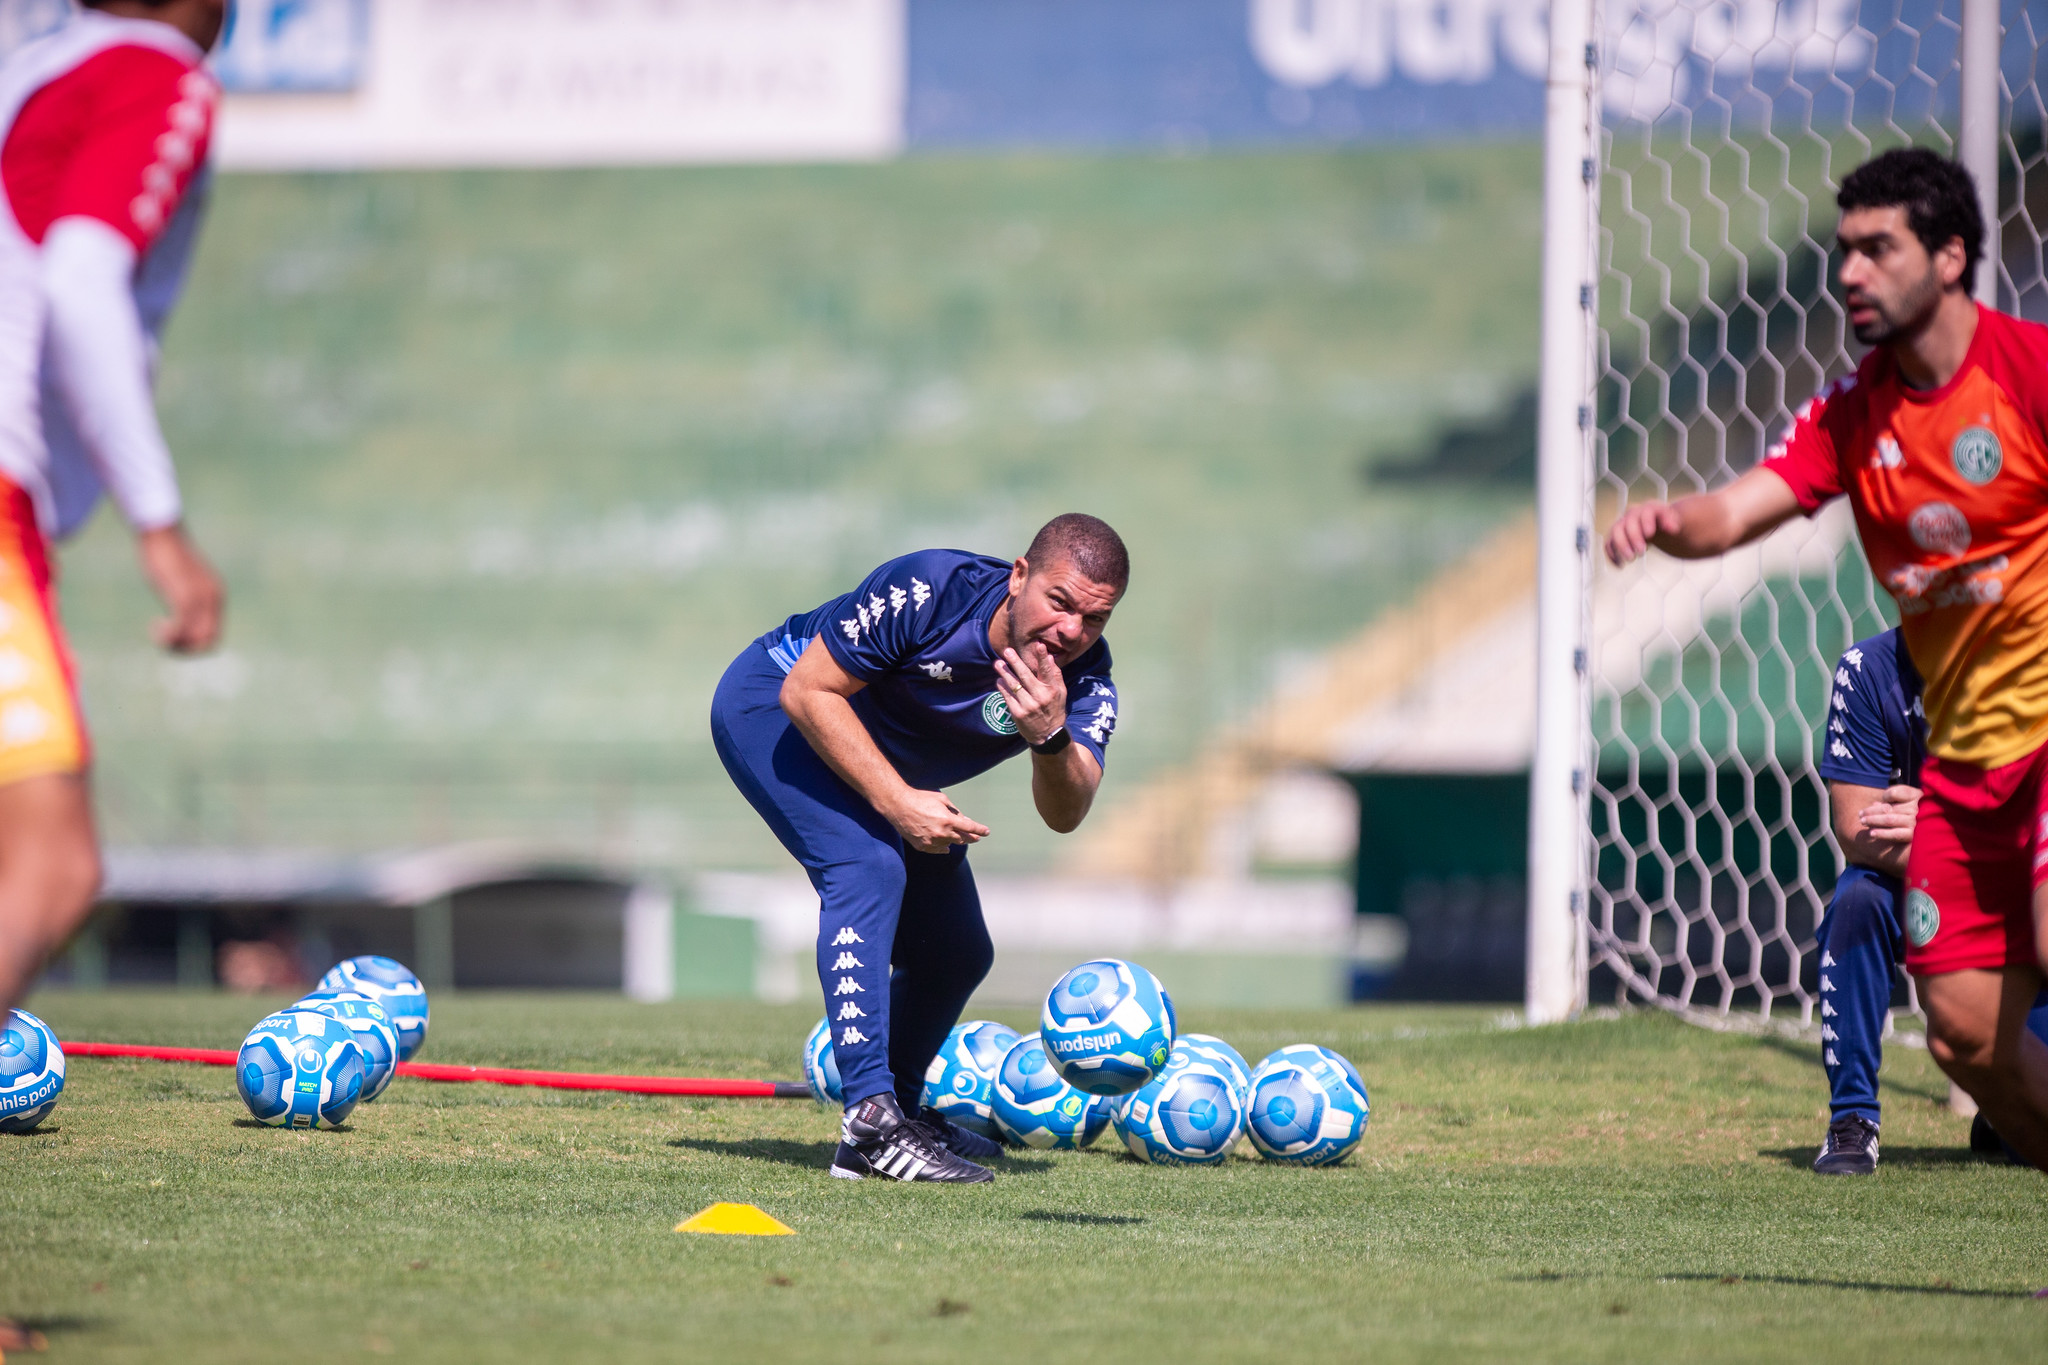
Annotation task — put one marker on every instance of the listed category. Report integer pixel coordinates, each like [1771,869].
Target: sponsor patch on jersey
[1977,455]
[1939,528]
[1923,917]
[996,713]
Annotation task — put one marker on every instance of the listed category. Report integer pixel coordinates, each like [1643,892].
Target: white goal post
[1678,848]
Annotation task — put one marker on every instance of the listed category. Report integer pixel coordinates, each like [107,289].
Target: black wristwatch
[1054,743]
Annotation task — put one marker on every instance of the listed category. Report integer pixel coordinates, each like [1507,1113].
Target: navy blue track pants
[901,942]
[1861,946]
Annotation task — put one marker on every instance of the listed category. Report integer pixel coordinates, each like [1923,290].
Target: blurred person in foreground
[1940,442]
[843,724]
[104,131]
[1871,755]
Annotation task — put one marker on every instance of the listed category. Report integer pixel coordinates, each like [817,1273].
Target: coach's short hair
[1087,543]
[1938,195]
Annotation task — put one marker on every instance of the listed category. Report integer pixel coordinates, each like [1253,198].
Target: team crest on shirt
[1977,455]
[995,712]
[1923,917]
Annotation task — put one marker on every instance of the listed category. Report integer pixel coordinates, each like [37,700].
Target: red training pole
[496,1075]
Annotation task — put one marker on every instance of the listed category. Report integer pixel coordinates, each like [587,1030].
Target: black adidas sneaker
[875,1139]
[1850,1149]
[959,1141]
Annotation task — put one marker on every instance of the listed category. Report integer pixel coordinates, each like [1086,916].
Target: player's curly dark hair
[1938,195]
[1087,543]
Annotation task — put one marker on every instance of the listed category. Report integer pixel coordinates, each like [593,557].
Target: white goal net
[1726,128]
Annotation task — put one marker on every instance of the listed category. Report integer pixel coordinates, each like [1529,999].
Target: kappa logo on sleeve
[938,670]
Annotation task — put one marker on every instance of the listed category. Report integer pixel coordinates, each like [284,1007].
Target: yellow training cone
[736,1220]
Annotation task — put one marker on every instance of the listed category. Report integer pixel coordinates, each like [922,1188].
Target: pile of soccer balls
[311,1063]
[1108,1053]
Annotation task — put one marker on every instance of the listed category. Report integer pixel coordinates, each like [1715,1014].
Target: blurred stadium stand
[632,328]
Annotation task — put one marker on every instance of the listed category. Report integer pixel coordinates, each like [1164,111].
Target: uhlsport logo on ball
[300,1068]
[961,1081]
[392,985]
[1308,1106]
[1108,1025]
[375,1033]
[1033,1107]
[821,1068]
[31,1072]
[1191,1114]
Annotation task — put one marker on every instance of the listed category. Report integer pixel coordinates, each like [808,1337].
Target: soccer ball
[962,1078]
[1191,1114]
[1108,1026]
[1308,1106]
[301,1069]
[31,1072]
[1216,1050]
[1033,1107]
[821,1068]
[375,1034]
[391,985]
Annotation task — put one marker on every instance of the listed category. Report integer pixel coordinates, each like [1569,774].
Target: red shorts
[42,730]
[1980,847]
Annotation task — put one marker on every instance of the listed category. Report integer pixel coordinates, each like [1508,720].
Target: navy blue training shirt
[1877,733]
[916,632]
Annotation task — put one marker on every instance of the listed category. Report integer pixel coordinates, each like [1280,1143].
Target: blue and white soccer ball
[300,1068]
[1033,1107]
[1308,1106]
[1214,1048]
[961,1081]
[1108,1025]
[821,1068]
[392,985]
[1191,1114]
[31,1072]
[375,1034]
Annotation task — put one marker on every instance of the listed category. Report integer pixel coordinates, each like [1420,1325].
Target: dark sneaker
[1984,1139]
[875,1139]
[959,1141]
[1851,1148]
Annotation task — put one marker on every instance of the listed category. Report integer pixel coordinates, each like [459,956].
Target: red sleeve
[139,121]
[1806,458]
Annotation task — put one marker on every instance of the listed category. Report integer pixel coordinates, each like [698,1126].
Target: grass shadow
[1809,1053]
[1090,1220]
[280,1128]
[812,1156]
[40,1130]
[1939,1288]
[1890,1156]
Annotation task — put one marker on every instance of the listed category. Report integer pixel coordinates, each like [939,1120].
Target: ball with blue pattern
[961,1080]
[392,985]
[300,1068]
[1308,1107]
[375,1033]
[821,1068]
[1108,1025]
[1033,1107]
[1191,1114]
[31,1072]
[1220,1052]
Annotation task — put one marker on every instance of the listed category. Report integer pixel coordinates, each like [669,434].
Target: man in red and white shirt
[104,130]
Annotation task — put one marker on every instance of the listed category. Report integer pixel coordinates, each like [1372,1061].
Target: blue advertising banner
[1196,73]
[294,45]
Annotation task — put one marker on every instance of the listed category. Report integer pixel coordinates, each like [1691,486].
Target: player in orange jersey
[104,129]
[1940,442]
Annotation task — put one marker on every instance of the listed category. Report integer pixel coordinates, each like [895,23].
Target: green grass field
[1618,1190]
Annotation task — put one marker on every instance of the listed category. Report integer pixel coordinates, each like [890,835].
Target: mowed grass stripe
[1610,1190]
